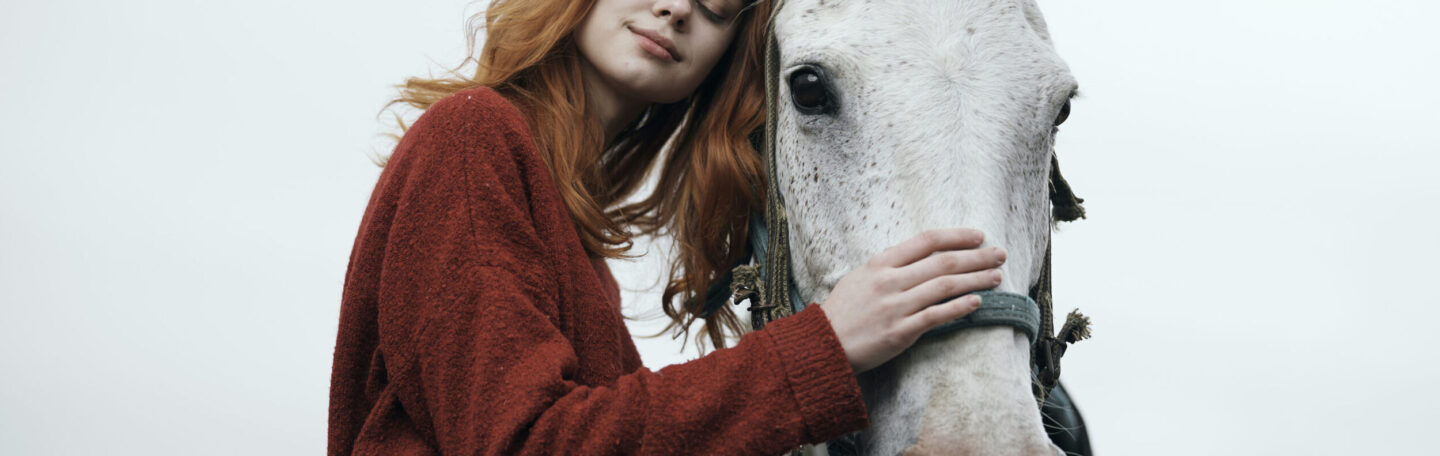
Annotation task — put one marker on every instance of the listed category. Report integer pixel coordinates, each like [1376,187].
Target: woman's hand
[881,308]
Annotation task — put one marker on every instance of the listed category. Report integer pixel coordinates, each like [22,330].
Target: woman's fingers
[923,244]
[946,263]
[879,309]
[939,314]
[947,287]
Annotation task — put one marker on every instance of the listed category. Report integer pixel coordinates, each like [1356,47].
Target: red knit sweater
[473,322]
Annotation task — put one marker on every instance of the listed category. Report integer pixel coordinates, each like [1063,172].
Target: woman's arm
[476,354]
[492,375]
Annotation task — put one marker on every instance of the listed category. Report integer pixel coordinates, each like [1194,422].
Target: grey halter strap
[996,307]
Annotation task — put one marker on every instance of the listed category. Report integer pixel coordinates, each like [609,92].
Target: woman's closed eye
[718,12]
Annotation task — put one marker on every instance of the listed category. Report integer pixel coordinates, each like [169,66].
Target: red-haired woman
[478,314]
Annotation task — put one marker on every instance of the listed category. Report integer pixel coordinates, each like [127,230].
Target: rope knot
[746,284]
[1047,351]
[1075,329]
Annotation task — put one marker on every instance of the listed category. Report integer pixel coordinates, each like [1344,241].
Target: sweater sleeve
[480,362]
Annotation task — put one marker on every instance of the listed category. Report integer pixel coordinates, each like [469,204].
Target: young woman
[479,316]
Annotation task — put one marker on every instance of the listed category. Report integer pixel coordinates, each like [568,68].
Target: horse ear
[1067,206]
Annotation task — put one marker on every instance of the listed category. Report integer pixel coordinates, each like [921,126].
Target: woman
[478,314]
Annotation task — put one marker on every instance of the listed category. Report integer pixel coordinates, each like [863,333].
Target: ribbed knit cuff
[819,374]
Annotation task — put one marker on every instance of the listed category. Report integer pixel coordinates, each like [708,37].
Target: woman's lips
[656,44]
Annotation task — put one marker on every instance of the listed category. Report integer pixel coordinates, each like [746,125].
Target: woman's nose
[675,11]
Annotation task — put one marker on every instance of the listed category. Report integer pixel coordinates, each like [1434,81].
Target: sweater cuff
[820,376]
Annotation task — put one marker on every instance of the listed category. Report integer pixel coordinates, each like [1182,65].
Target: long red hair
[710,182]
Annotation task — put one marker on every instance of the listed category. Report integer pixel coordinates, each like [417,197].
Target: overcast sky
[182,182]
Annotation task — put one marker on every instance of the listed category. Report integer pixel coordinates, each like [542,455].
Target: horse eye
[811,92]
[1064,114]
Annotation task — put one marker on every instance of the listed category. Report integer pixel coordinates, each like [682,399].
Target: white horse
[903,115]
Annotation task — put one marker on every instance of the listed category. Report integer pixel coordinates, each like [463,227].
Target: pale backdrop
[182,181]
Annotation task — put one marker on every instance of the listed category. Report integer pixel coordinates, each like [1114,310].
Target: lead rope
[1045,353]
[774,297]
[775,294]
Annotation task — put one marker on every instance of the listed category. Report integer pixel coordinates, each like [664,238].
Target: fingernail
[997,276]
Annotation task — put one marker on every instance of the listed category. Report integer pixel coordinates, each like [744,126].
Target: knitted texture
[473,322]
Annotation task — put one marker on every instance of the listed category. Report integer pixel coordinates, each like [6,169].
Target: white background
[182,181]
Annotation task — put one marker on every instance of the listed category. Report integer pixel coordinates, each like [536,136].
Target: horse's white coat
[945,120]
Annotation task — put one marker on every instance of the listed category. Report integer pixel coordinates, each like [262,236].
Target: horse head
[897,116]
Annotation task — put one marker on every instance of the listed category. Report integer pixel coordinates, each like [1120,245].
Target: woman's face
[656,51]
